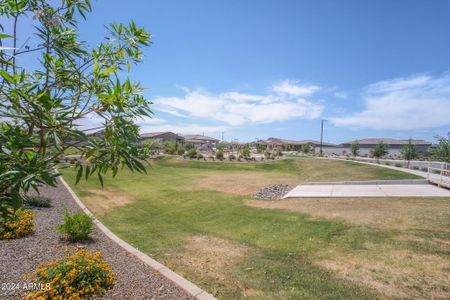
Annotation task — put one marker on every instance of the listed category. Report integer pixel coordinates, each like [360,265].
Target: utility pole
[222,136]
[321,136]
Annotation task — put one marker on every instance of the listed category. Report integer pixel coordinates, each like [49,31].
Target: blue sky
[256,69]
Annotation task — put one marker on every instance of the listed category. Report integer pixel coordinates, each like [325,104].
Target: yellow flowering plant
[15,223]
[82,275]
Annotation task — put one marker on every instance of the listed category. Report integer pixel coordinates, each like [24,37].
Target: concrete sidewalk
[366,189]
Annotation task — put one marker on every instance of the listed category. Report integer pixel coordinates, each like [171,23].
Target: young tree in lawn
[41,107]
[409,152]
[379,150]
[354,148]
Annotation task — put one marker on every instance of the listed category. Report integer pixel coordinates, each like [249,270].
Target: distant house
[201,142]
[162,136]
[394,145]
[366,145]
[291,145]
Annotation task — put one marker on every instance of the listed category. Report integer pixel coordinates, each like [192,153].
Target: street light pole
[321,136]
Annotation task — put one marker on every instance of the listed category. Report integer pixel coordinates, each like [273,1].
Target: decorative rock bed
[134,279]
[272,192]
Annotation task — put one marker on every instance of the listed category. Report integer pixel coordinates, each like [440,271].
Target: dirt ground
[101,201]
[240,183]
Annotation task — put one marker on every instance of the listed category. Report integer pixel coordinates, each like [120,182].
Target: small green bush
[76,227]
[387,163]
[398,165]
[180,151]
[219,155]
[37,201]
[231,157]
[199,156]
[192,153]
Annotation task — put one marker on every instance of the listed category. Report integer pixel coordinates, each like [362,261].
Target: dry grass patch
[394,273]
[387,213]
[101,201]
[211,256]
[239,183]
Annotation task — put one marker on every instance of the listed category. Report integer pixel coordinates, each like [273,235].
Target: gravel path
[135,280]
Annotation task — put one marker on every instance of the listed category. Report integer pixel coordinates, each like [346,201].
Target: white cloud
[234,108]
[341,95]
[183,129]
[412,103]
[290,88]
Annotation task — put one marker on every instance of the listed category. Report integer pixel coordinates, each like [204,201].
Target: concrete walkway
[367,189]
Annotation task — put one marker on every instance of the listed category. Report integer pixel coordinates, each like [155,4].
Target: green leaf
[7,77]
[4,36]
[79,174]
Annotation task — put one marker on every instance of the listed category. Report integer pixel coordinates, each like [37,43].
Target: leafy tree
[192,153]
[245,151]
[42,107]
[305,149]
[379,150]
[222,146]
[409,152]
[189,146]
[219,155]
[441,151]
[354,148]
[170,147]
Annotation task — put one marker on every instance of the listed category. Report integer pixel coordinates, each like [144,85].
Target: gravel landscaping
[276,191]
[135,280]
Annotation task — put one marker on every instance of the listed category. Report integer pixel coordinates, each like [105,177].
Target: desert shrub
[37,201]
[180,151]
[76,227]
[192,153]
[387,163]
[83,275]
[231,157]
[15,223]
[398,165]
[219,155]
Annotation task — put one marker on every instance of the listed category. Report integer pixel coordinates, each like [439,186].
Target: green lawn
[195,218]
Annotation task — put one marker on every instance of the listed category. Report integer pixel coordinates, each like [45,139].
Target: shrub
[415,167]
[83,275]
[199,156]
[180,151]
[37,201]
[387,163]
[219,155]
[398,165]
[76,227]
[15,223]
[231,157]
[424,169]
[192,153]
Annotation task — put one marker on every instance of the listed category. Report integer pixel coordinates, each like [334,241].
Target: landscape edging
[178,280]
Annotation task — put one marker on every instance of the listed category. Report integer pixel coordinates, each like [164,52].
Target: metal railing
[439,176]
